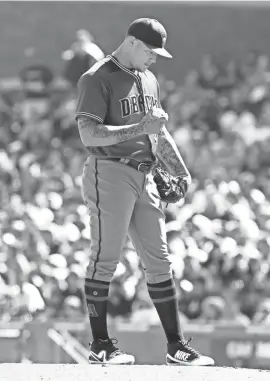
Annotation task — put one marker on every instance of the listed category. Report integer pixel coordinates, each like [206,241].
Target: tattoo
[111,134]
[169,154]
[86,122]
[162,164]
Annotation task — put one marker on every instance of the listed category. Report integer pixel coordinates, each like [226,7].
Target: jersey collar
[132,72]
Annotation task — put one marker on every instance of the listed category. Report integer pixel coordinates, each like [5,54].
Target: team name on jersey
[135,104]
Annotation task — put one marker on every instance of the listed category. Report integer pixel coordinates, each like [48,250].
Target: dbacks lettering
[135,104]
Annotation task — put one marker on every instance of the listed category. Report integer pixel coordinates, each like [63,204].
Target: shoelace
[116,352]
[111,342]
[187,346]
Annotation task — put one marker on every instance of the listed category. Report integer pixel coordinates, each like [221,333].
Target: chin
[138,68]
[144,68]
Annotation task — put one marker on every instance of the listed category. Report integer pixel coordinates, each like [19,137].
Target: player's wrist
[184,182]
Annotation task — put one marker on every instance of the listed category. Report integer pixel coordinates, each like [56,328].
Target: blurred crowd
[218,238]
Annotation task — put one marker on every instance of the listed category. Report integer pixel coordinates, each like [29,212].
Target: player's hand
[159,113]
[154,120]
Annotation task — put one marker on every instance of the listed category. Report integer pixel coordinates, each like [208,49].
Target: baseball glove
[171,189]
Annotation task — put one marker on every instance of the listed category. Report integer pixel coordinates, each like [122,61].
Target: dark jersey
[114,95]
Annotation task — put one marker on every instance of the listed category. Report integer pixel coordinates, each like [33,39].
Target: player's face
[142,56]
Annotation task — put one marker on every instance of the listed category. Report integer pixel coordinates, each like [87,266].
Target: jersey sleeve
[92,97]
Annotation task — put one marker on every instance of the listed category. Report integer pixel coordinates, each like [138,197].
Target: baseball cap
[152,33]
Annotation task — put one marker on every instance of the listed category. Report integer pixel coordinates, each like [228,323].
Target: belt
[144,167]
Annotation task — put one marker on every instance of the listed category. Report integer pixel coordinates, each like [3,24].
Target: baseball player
[122,124]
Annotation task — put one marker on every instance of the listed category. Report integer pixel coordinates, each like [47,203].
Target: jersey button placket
[140,89]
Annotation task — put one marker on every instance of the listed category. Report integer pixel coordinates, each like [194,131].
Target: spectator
[82,54]
[214,310]
[262,315]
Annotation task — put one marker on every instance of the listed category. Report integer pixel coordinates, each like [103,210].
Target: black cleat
[181,353]
[104,352]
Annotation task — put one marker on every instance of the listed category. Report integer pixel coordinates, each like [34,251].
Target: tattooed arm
[95,134]
[169,155]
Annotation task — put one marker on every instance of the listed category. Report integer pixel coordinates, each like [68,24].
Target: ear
[131,40]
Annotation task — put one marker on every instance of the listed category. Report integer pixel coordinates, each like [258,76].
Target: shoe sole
[183,363]
[111,363]
[188,364]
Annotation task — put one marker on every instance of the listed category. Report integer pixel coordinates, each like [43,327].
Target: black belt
[144,167]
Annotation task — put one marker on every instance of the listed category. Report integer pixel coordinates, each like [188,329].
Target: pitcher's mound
[68,372]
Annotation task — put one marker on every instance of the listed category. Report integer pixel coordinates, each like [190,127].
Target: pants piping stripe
[99,220]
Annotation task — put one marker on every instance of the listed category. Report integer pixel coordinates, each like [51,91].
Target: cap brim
[161,52]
